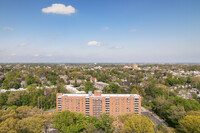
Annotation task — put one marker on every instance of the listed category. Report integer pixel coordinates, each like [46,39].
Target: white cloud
[7,28]
[23,44]
[106,28]
[133,30]
[36,55]
[94,43]
[59,9]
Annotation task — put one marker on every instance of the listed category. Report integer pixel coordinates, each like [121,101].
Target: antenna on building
[90,93]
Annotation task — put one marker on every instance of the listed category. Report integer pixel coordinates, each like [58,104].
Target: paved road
[155,118]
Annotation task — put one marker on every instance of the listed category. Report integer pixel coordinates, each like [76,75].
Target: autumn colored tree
[125,117]
[22,120]
[31,125]
[134,91]
[138,124]
[194,113]
[190,124]
[9,125]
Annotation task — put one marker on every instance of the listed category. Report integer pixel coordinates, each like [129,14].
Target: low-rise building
[23,84]
[93,80]
[135,66]
[100,85]
[72,81]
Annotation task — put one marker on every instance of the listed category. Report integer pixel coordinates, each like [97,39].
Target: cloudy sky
[100,31]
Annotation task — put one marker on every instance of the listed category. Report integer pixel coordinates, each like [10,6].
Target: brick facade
[97,103]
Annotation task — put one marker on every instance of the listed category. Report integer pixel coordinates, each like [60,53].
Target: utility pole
[41,102]
[38,103]
[168,94]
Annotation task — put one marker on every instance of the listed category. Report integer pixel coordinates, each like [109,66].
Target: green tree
[140,90]
[174,81]
[176,113]
[165,129]
[3,99]
[125,117]
[52,77]
[106,89]
[68,122]
[9,125]
[153,91]
[194,113]
[134,91]
[14,98]
[113,88]
[90,128]
[30,79]
[31,125]
[195,82]
[12,80]
[138,124]
[95,121]
[23,119]
[74,74]
[160,106]
[31,87]
[60,88]
[25,98]
[89,86]
[47,119]
[187,104]
[27,111]
[5,114]
[107,121]
[190,124]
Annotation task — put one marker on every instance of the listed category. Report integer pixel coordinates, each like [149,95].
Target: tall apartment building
[97,103]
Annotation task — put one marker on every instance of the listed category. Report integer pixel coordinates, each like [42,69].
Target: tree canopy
[138,124]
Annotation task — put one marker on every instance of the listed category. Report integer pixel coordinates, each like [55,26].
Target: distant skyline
[106,31]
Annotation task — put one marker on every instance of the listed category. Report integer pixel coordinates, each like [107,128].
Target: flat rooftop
[103,95]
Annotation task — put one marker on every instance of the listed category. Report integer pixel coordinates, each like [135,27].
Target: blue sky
[100,31]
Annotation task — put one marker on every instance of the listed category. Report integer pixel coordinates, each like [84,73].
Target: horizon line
[190,63]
